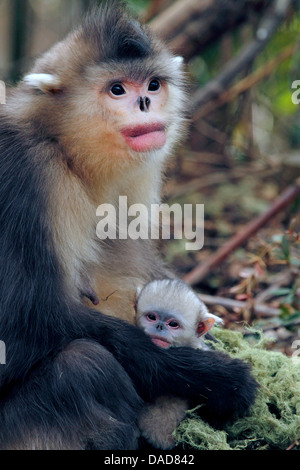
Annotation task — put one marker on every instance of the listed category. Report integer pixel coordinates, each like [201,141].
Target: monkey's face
[115,120]
[139,108]
[164,329]
[112,101]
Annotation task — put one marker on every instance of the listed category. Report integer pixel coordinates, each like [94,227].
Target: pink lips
[160,342]
[145,137]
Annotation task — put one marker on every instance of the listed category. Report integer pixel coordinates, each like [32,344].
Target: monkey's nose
[144,103]
[159,326]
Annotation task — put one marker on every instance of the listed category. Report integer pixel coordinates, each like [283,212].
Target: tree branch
[189,25]
[284,200]
[268,26]
[258,309]
[245,84]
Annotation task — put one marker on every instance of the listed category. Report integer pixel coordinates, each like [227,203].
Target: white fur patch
[178,60]
[218,320]
[42,81]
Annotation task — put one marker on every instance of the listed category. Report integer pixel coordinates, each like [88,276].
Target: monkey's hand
[223,386]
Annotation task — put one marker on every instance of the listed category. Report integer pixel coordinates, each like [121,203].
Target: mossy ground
[274,420]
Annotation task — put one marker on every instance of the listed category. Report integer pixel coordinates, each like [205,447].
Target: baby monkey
[172,314]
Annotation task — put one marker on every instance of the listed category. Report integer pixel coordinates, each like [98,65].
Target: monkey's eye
[117,90]
[174,324]
[151,317]
[154,85]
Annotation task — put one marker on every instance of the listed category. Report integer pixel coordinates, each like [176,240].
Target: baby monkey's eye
[173,324]
[117,89]
[154,85]
[151,316]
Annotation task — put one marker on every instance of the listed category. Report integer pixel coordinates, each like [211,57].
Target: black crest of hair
[118,35]
[75,378]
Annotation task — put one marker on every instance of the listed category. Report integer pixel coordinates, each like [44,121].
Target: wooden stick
[284,200]
[260,309]
[295,444]
[173,19]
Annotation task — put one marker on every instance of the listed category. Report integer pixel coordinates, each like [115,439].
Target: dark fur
[117,35]
[68,366]
[120,38]
[75,378]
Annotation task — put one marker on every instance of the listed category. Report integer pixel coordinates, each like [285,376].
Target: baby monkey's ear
[204,326]
[136,296]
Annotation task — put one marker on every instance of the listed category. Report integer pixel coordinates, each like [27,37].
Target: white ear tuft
[138,290]
[218,320]
[179,60]
[43,81]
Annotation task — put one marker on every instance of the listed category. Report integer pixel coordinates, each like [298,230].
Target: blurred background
[241,158]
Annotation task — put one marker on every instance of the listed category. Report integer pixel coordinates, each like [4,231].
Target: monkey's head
[170,312]
[111,94]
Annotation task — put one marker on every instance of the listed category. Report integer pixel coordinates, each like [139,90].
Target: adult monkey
[98,112]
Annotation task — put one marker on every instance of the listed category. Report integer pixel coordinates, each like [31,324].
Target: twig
[284,200]
[190,25]
[245,84]
[260,310]
[284,278]
[265,32]
[173,19]
[295,444]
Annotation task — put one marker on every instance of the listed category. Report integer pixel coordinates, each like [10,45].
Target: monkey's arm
[223,385]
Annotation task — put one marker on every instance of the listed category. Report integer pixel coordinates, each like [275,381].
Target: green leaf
[284,312]
[281,291]
[285,248]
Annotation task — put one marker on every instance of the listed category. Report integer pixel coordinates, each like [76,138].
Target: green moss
[274,421]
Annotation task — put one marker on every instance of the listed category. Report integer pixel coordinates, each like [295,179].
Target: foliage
[274,420]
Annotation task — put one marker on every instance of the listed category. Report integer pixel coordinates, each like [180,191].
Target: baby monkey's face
[165,329]
[170,312]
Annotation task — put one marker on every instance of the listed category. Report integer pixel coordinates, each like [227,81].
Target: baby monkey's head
[172,314]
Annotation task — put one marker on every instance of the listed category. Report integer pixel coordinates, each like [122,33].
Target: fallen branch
[260,310]
[284,200]
[295,444]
